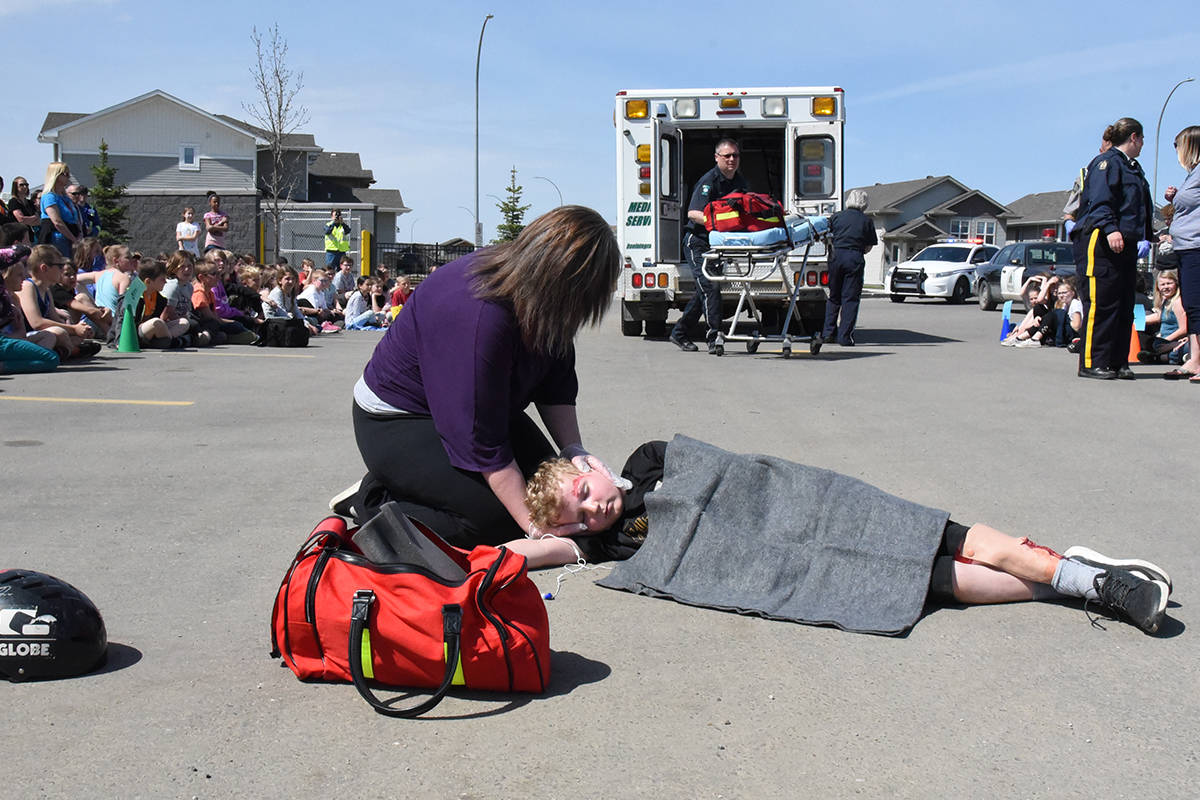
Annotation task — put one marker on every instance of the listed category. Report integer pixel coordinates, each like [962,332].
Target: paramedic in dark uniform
[716,183]
[853,235]
[1114,215]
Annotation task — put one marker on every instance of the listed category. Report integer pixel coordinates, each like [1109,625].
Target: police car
[943,269]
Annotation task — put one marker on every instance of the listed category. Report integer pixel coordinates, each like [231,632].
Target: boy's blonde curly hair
[543,492]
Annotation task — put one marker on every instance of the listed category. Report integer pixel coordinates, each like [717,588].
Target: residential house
[169,154]
[909,215]
[1037,215]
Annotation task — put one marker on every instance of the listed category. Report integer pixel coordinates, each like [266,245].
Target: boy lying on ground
[830,536]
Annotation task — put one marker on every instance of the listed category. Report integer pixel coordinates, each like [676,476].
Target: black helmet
[48,628]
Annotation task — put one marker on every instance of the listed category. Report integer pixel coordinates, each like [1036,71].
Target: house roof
[884,197]
[383,199]
[57,120]
[919,228]
[291,141]
[1039,208]
[340,165]
[950,206]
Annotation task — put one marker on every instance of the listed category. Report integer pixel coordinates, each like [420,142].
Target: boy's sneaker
[340,503]
[1142,602]
[1010,341]
[1142,569]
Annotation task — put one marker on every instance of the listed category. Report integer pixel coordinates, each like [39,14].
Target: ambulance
[791,141]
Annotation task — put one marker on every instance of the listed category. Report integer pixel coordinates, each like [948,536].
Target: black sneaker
[1142,569]
[683,343]
[342,502]
[1142,602]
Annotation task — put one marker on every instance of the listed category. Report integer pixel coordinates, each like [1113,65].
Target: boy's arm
[545,552]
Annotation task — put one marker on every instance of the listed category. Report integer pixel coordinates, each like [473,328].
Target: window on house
[189,158]
[960,228]
[985,230]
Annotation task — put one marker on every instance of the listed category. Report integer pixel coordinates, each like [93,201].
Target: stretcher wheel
[719,350]
[752,347]
[787,351]
[814,345]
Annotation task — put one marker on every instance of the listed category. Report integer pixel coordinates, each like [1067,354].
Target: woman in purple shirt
[439,413]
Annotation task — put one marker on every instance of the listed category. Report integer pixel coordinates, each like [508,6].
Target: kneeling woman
[439,412]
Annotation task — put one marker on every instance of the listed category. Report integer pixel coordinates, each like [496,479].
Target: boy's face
[185,273]
[156,285]
[346,265]
[69,277]
[590,498]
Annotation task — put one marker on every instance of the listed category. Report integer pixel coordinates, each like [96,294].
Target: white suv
[944,269]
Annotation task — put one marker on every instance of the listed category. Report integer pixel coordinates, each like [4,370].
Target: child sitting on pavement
[317,302]
[203,305]
[37,303]
[1061,325]
[359,314]
[281,302]
[20,354]
[974,565]
[79,305]
[159,325]
[1166,325]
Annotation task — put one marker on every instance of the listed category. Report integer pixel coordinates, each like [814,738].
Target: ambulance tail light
[795,278]
[636,280]
[824,278]
[649,280]
[662,280]
[824,106]
[810,279]
[637,109]
[687,108]
[774,107]
[643,154]
[644,188]
[644,173]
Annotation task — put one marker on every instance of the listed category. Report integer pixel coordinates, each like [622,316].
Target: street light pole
[410,230]
[1158,130]
[478,53]
[552,183]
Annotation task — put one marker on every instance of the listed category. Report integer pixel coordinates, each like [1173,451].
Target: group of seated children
[177,300]
[1055,318]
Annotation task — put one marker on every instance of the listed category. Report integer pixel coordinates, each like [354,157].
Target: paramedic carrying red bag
[743,211]
[428,615]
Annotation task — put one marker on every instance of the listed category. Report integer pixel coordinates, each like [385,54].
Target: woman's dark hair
[85,253]
[1119,132]
[558,274]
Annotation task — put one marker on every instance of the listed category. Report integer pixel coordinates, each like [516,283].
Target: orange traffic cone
[1135,345]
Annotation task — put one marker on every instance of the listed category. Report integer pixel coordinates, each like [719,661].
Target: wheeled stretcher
[755,263]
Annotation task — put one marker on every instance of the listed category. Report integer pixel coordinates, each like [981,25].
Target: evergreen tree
[513,211]
[106,197]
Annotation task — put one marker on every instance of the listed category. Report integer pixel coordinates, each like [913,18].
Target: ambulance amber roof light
[637,109]
[731,102]
[824,106]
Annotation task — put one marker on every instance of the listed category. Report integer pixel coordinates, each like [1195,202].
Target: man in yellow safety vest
[337,239]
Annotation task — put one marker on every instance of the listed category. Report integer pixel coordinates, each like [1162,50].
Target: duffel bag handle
[360,611]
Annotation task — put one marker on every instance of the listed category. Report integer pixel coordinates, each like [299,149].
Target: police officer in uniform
[853,236]
[716,183]
[1114,215]
[337,239]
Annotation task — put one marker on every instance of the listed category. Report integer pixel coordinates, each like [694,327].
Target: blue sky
[1008,97]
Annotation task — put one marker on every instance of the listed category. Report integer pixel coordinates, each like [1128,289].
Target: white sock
[1075,579]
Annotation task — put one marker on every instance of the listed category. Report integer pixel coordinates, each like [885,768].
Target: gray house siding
[919,204]
[162,173]
[295,174]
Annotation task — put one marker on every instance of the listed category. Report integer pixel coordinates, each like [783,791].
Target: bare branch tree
[277,113]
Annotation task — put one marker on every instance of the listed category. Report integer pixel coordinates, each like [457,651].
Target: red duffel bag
[338,616]
[743,211]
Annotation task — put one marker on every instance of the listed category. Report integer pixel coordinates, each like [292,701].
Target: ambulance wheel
[631,327]
[897,298]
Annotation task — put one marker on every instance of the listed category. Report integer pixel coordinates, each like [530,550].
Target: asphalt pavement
[174,488]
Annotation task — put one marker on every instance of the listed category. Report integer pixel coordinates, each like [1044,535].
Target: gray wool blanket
[761,535]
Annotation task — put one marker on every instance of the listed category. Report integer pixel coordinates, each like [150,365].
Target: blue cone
[1006,321]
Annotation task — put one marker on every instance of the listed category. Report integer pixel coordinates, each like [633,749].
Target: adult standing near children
[1185,239]
[713,185]
[58,210]
[337,240]
[1114,215]
[21,206]
[216,224]
[853,235]
[439,412]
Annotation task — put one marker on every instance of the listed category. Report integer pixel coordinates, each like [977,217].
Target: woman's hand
[584,461]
